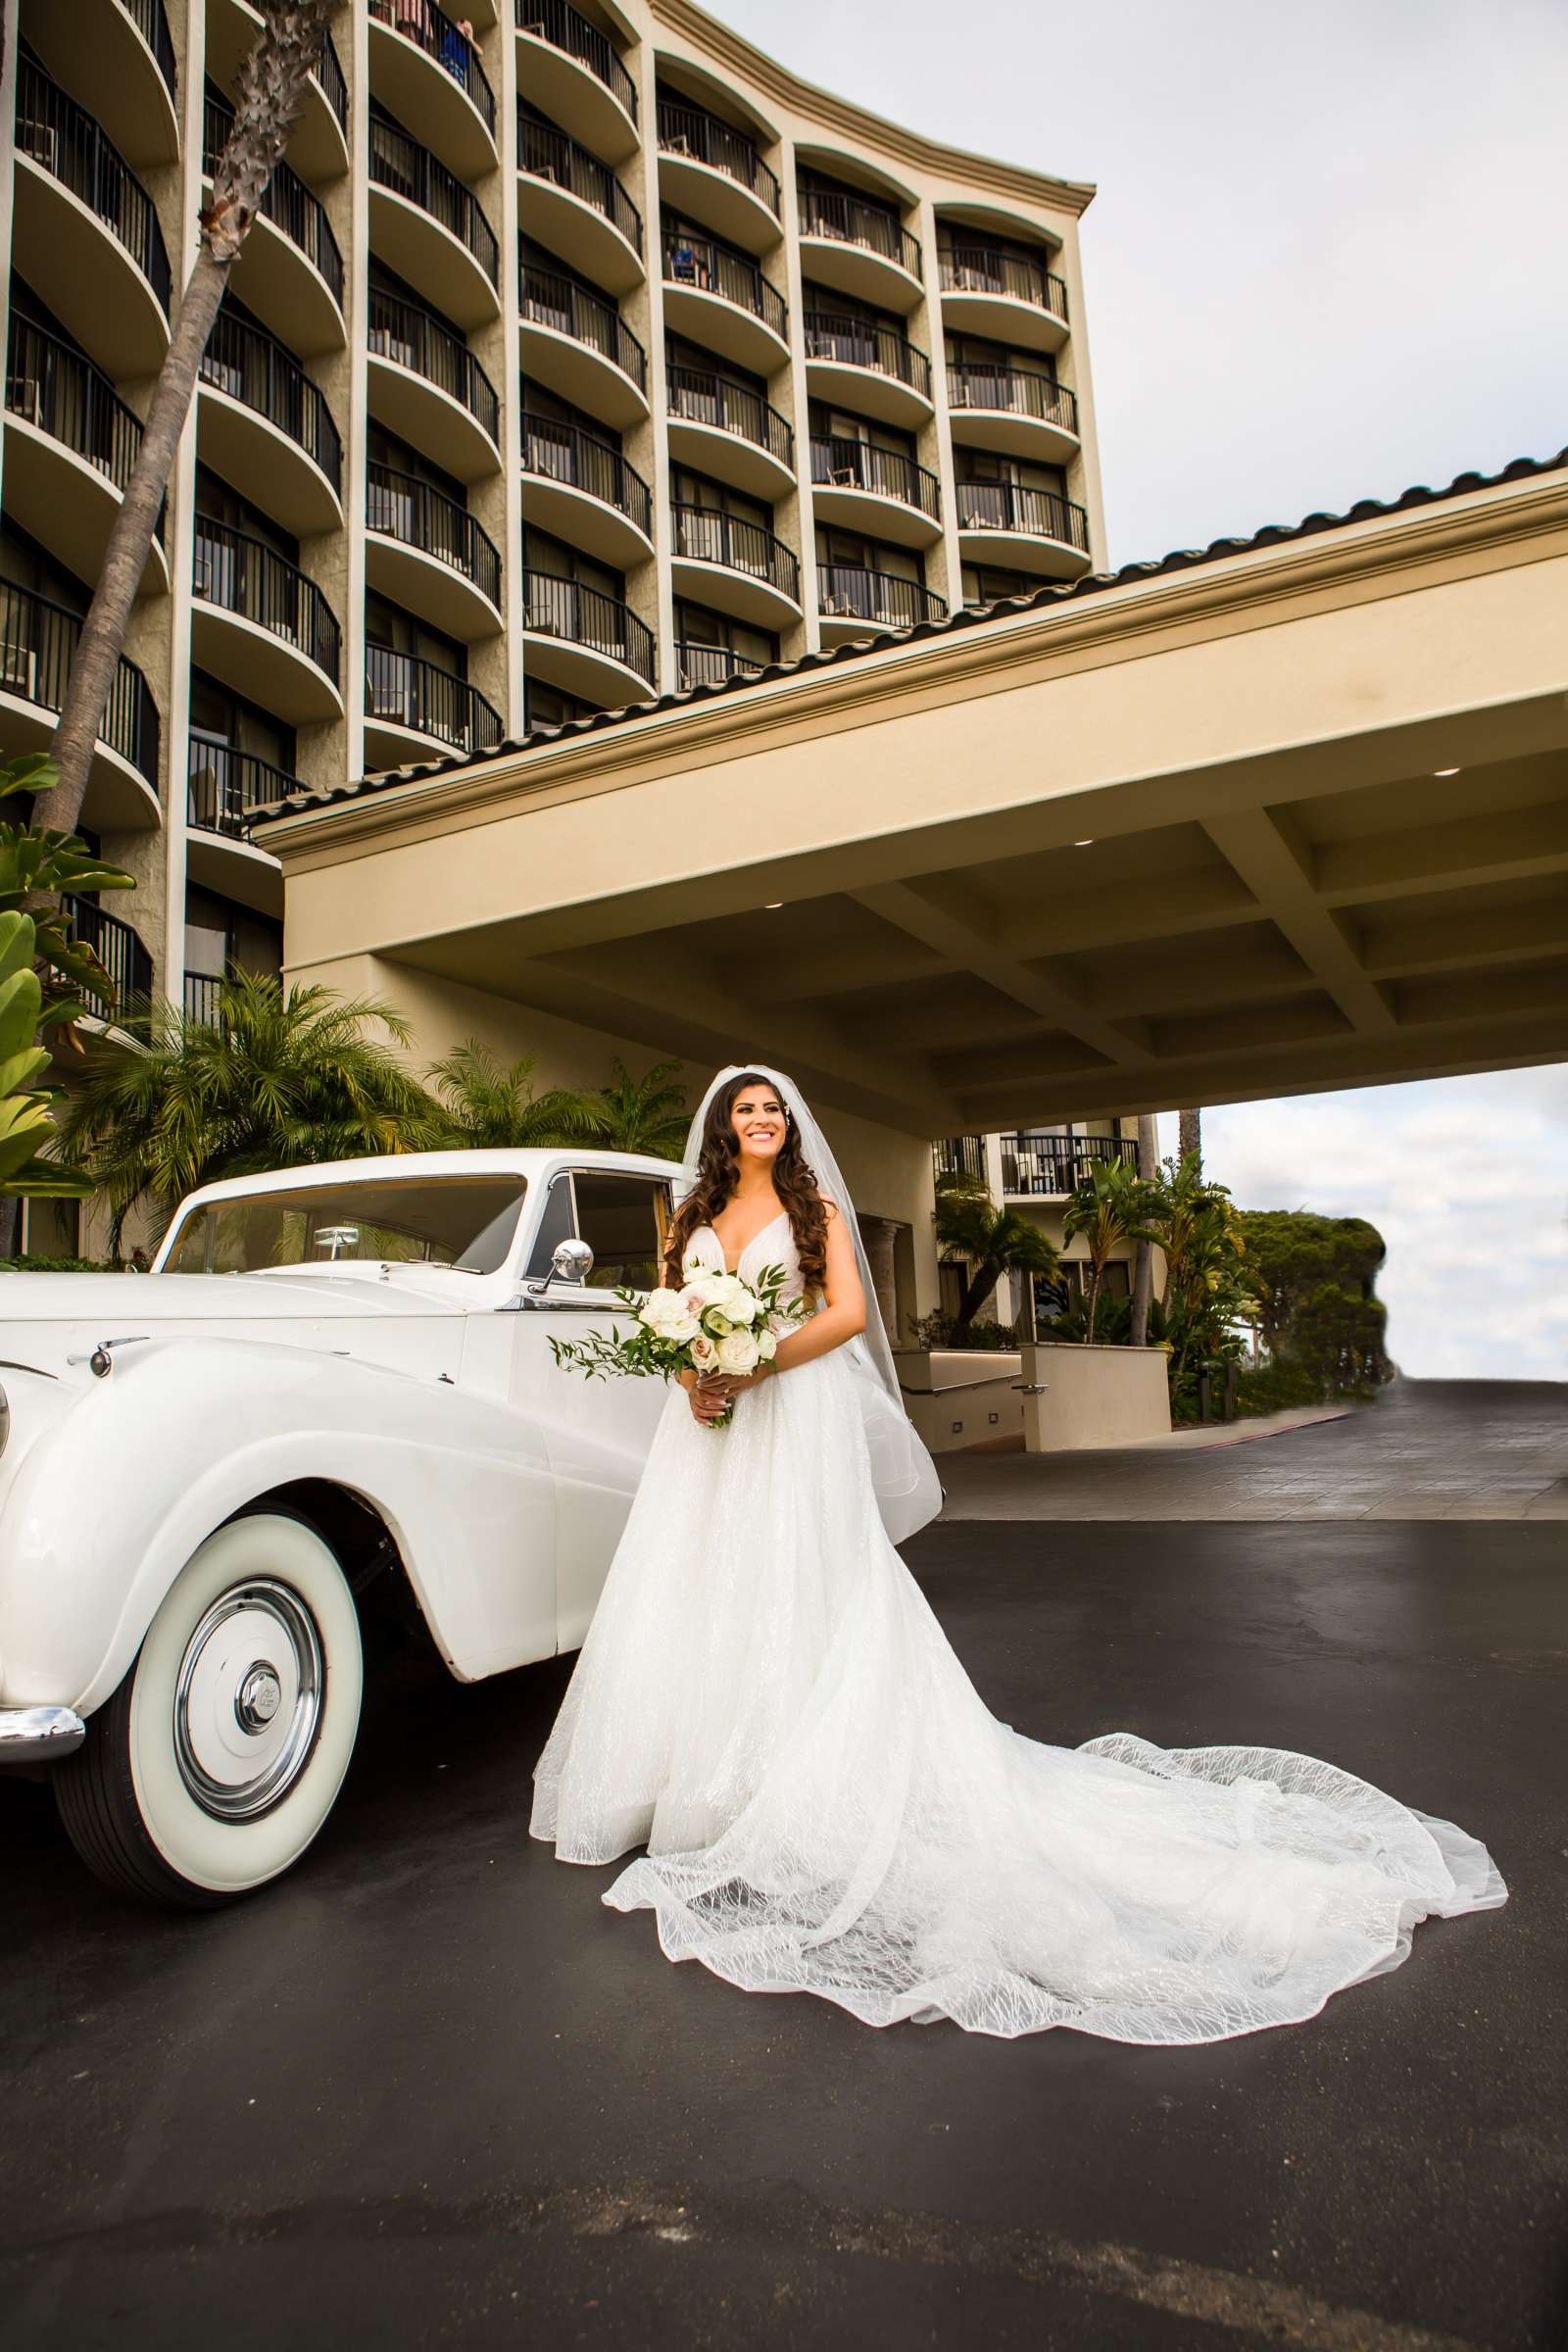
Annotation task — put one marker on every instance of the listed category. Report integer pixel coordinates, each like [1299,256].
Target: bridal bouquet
[714,1323]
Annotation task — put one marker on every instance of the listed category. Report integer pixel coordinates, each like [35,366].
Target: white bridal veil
[909,1491]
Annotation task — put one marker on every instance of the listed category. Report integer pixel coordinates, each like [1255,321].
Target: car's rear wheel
[218,1759]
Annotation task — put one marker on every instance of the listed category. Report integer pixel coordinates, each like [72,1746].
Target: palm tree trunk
[1144,1263]
[1093,1301]
[1190,1134]
[976,1291]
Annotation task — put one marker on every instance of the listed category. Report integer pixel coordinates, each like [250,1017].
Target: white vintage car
[330,1377]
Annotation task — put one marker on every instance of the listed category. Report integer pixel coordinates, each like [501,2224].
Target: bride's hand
[708,1394]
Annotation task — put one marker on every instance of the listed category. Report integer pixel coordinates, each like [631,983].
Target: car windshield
[466,1222]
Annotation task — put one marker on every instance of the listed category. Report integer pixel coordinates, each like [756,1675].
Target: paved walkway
[1427,1450]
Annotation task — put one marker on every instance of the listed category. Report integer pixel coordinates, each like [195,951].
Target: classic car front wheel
[218,1757]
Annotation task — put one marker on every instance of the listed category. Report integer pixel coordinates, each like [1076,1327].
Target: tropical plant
[644,1114]
[938,1329]
[270,98]
[37,866]
[1209,1287]
[281,1078]
[491,1105]
[26,1118]
[993,1240]
[1110,1205]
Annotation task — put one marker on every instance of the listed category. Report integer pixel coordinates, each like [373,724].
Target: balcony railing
[257,370]
[414,692]
[334,89]
[561,607]
[707,536]
[854,592]
[70,400]
[960,1155]
[851,342]
[545,153]
[417,339]
[564,453]
[1032,514]
[711,665]
[687,131]
[226,787]
[699,397]
[64,141]
[37,645]
[247,577]
[288,202]
[1056,1164]
[840,461]
[408,170]
[151,21]
[564,28]
[429,29]
[558,303]
[1022,391]
[697,261]
[118,949]
[202,995]
[401,507]
[980,269]
[851,220]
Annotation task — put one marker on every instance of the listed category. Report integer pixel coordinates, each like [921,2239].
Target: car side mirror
[573,1262]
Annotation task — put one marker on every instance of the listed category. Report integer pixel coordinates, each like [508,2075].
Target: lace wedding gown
[766,1702]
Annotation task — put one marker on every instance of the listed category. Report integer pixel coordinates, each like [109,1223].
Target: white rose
[737,1352]
[660,1308]
[704,1351]
[766,1345]
[741,1305]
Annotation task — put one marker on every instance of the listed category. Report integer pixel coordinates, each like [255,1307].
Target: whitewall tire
[218,1759]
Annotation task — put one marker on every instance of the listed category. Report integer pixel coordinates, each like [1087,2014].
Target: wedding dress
[767,1703]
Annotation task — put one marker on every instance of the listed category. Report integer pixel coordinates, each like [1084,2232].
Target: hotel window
[710,646]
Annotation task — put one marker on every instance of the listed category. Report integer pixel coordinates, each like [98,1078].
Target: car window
[463,1221]
[623,1219]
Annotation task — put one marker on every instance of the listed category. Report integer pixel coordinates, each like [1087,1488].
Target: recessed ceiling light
[772,906]
[1445,771]
[1085,845]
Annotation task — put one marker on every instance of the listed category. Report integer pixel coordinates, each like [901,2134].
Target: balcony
[1025,530]
[580,489]
[1012,300]
[426,70]
[960,1155]
[426,384]
[873,370]
[70,444]
[722,301]
[572,74]
[414,710]
[318,144]
[1053,1165]
[575,205]
[859,247]
[734,566]
[429,554]
[581,348]
[118,948]
[267,429]
[716,174]
[202,997]
[854,601]
[85,231]
[712,665]
[119,58]
[585,642]
[37,645]
[224,789]
[880,491]
[261,627]
[428,228]
[729,432]
[290,272]
[1017,410]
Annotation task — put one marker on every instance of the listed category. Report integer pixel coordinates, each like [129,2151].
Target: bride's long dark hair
[717,1165]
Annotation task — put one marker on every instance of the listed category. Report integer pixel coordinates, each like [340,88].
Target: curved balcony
[714,172]
[879,491]
[1017,410]
[1003,296]
[414,710]
[430,555]
[427,71]
[1026,530]
[70,443]
[318,144]
[734,566]
[869,369]
[586,644]
[428,228]
[290,272]
[722,301]
[118,947]
[575,205]
[581,347]
[85,231]
[261,627]
[712,665]
[572,74]
[729,432]
[267,429]
[854,601]
[862,248]
[426,384]
[224,789]
[38,646]
[119,58]
[582,490]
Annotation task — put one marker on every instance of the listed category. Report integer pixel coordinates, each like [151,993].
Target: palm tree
[1144,1262]
[644,1114]
[1112,1204]
[277,1080]
[1190,1136]
[994,1242]
[492,1104]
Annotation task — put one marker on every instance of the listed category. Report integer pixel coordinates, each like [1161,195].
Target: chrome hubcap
[247,1699]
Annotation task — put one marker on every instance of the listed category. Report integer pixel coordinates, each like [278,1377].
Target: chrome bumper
[37,1734]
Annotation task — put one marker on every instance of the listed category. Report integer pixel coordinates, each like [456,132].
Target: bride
[766,1702]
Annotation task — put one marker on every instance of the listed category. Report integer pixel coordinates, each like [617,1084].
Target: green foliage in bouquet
[714,1324]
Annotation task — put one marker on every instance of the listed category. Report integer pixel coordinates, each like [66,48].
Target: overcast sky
[1325,261]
